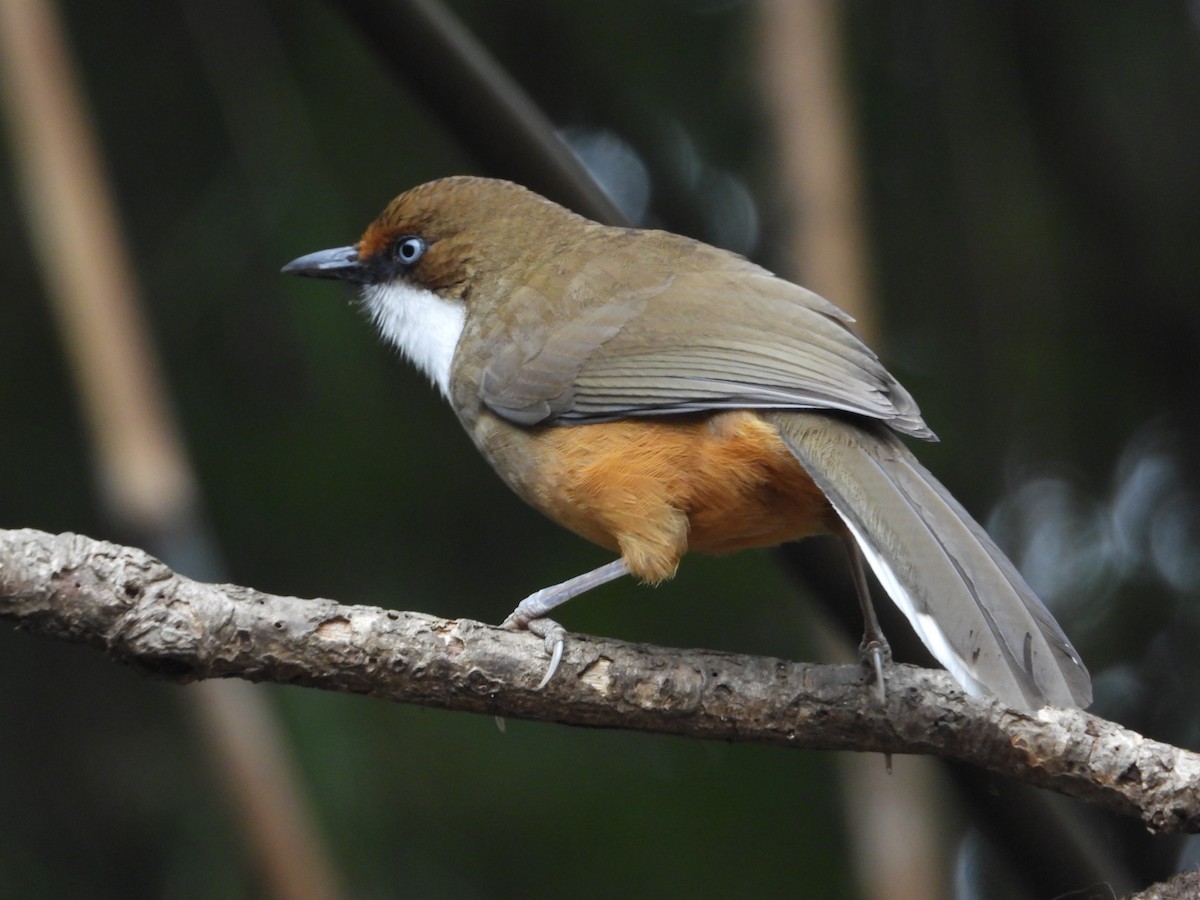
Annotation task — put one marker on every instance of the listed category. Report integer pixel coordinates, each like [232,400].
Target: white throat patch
[424,326]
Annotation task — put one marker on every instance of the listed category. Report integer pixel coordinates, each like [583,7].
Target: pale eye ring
[409,250]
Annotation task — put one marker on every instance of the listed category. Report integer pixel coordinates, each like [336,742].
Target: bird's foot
[547,629]
[530,614]
[876,654]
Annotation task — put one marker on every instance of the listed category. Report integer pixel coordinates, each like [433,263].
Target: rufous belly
[654,488]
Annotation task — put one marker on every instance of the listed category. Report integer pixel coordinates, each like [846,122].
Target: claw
[555,659]
[875,654]
[547,629]
[530,614]
[877,662]
[553,634]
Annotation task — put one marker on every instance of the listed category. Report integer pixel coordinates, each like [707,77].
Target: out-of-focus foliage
[1033,194]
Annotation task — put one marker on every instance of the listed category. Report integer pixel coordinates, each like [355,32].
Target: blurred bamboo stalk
[478,101]
[805,92]
[892,816]
[88,278]
[142,469]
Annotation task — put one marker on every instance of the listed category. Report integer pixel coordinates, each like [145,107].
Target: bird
[657,395]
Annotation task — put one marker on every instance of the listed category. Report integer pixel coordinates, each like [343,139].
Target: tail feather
[966,601]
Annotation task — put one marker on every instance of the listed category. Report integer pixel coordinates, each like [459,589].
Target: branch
[139,611]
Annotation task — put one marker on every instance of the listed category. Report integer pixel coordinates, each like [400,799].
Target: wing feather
[710,332]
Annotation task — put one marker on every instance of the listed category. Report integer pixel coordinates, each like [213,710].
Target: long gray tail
[966,601]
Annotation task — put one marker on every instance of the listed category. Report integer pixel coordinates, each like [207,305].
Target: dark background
[1032,191]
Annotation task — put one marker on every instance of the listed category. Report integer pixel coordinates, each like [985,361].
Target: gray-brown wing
[715,332]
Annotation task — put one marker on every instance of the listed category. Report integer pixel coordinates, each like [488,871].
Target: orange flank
[653,489]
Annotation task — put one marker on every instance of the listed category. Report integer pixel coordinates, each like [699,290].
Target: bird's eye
[409,250]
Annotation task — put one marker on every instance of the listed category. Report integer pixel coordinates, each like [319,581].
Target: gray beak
[341,263]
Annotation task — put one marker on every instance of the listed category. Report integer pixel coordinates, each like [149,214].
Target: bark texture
[137,610]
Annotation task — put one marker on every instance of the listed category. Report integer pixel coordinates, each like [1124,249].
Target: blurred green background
[1031,177]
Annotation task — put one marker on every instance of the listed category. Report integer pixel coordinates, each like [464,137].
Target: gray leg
[874,645]
[530,614]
